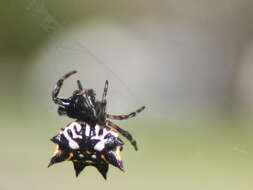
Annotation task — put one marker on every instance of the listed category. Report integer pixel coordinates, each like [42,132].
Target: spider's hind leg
[122,117]
[123,133]
[58,86]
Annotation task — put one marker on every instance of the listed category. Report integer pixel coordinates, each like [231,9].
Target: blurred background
[189,62]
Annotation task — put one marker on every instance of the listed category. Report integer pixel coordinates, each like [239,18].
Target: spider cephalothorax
[83,106]
[79,106]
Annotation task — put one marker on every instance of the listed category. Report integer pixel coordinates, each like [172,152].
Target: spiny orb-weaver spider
[83,106]
[91,140]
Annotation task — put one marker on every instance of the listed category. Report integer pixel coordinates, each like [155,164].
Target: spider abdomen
[86,145]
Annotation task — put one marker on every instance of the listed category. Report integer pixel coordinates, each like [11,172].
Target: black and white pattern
[85,145]
[92,140]
[81,136]
[83,106]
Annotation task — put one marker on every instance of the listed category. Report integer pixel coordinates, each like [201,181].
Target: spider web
[50,25]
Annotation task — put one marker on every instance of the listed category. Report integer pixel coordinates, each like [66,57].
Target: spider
[83,106]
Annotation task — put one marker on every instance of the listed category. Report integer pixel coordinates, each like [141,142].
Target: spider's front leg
[102,105]
[104,97]
[123,133]
[57,88]
[80,86]
[87,98]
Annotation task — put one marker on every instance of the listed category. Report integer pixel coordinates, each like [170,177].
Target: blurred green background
[189,62]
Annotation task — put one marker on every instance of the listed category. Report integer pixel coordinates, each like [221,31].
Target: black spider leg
[57,88]
[101,116]
[103,106]
[87,98]
[122,117]
[123,133]
[80,86]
